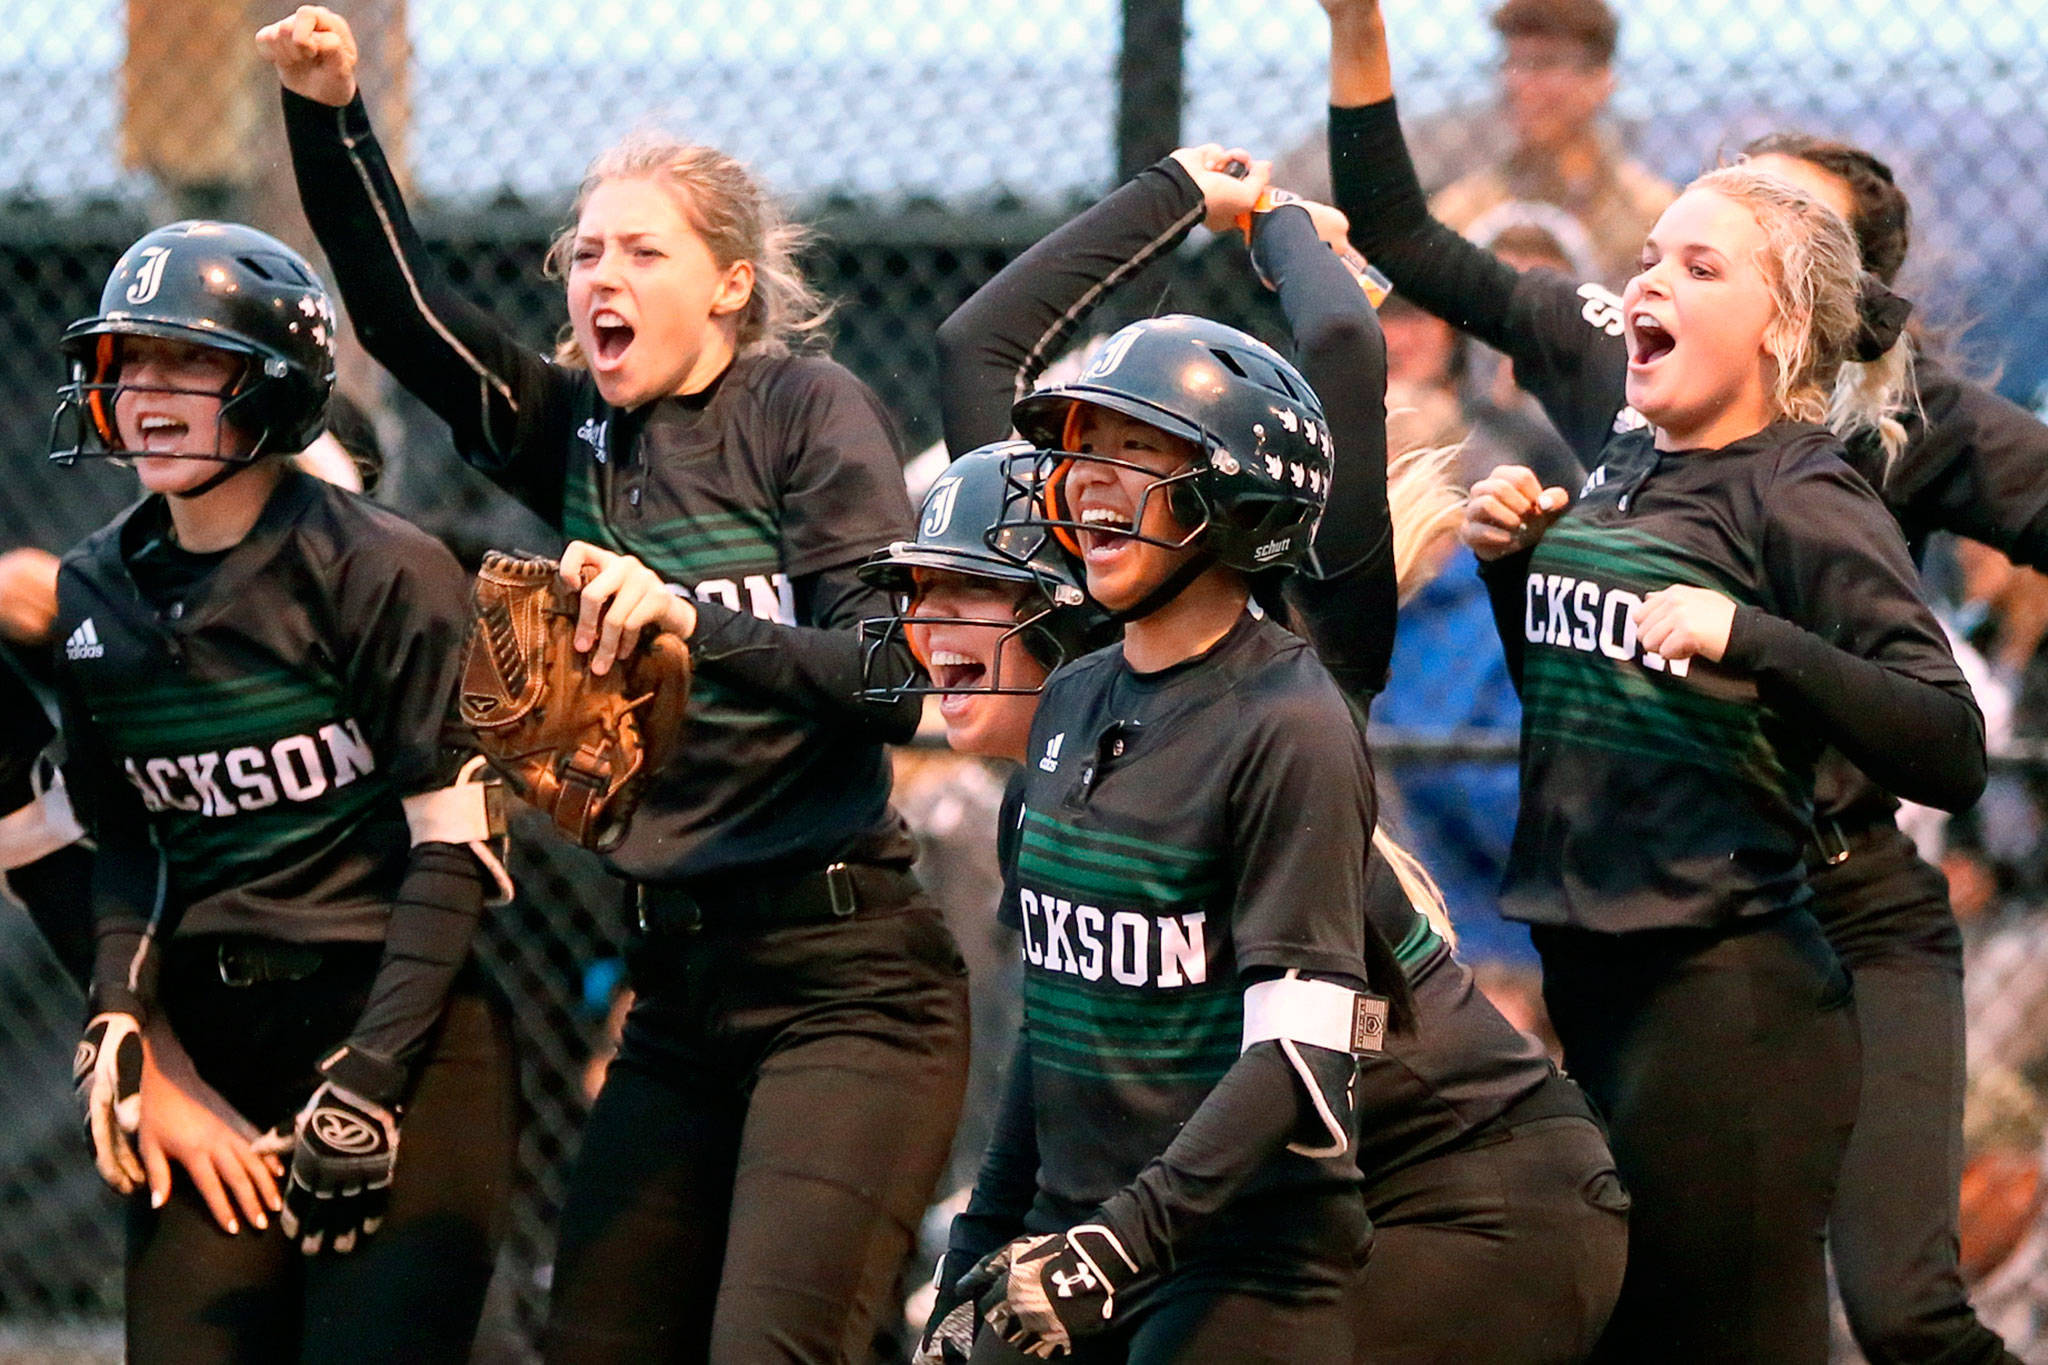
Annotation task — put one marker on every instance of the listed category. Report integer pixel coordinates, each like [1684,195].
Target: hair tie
[1883,317]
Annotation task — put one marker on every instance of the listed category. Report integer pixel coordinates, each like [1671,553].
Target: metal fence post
[1149,86]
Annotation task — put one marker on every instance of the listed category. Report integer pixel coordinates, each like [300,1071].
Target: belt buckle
[839,887]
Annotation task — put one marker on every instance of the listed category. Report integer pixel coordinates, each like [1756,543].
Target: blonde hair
[738,221]
[1425,503]
[1811,265]
[1421,889]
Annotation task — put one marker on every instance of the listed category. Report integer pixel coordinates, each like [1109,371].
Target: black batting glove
[344,1149]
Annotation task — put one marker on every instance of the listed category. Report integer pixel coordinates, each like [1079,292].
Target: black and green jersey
[265,726]
[758,497]
[1460,1068]
[1664,792]
[1178,830]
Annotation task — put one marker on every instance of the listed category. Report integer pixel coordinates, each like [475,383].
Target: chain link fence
[930,141]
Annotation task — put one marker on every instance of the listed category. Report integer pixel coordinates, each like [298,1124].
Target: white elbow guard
[1292,1010]
[469,811]
[39,828]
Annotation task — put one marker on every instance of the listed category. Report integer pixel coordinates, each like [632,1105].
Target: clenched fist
[1509,510]
[314,53]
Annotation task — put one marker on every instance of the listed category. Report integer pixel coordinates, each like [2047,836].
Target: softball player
[1725,598]
[255,668]
[1464,1108]
[1955,456]
[790,1074]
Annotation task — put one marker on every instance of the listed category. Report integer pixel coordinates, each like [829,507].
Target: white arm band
[40,828]
[1319,1013]
[452,815]
[463,814]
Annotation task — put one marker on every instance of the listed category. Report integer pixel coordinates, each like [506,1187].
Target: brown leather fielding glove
[578,747]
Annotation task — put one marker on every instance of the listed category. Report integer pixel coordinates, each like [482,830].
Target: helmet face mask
[94,393]
[879,633]
[222,286]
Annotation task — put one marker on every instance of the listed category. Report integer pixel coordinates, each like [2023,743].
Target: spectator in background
[1557,73]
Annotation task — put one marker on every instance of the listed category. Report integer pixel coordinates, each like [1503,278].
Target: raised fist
[314,53]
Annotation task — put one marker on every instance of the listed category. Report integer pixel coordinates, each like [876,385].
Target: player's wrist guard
[344,1148]
[1042,1294]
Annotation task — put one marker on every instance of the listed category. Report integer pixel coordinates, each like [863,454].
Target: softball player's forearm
[491,390]
[995,344]
[1565,338]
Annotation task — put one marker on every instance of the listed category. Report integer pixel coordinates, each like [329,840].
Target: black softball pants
[1726,1064]
[1894,1234]
[410,1292]
[767,1140]
[1504,1250]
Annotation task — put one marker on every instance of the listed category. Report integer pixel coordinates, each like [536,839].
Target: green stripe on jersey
[1625,557]
[682,550]
[188,716]
[1119,1033]
[208,854]
[1117,867]
[1418,943]
[1614,704]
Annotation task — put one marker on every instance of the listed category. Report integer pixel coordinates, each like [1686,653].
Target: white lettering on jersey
[1051,762]
[149,276]
[1182,958]
[1054,925]
[1558,609]
[1602,308]
[1594,480]
[251,777]
[592,433]
[84,643]
[767,596]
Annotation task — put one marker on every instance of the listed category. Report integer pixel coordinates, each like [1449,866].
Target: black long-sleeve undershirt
[1007,1182]
[996,343]
[1565,340]
[1921,742]
[1348,610]
[816,668]
[509,411]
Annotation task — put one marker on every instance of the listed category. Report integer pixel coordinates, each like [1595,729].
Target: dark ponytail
[1883,221]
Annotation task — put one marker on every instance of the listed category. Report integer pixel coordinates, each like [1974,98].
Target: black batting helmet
[1054,617]
[1261,473]
[221,285]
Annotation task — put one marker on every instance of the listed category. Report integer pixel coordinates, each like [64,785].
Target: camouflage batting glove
[1042,1294]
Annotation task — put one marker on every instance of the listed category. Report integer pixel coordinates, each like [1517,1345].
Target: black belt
[254,961]
[836,892]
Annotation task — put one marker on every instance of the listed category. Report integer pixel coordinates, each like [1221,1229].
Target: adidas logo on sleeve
[84,643]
